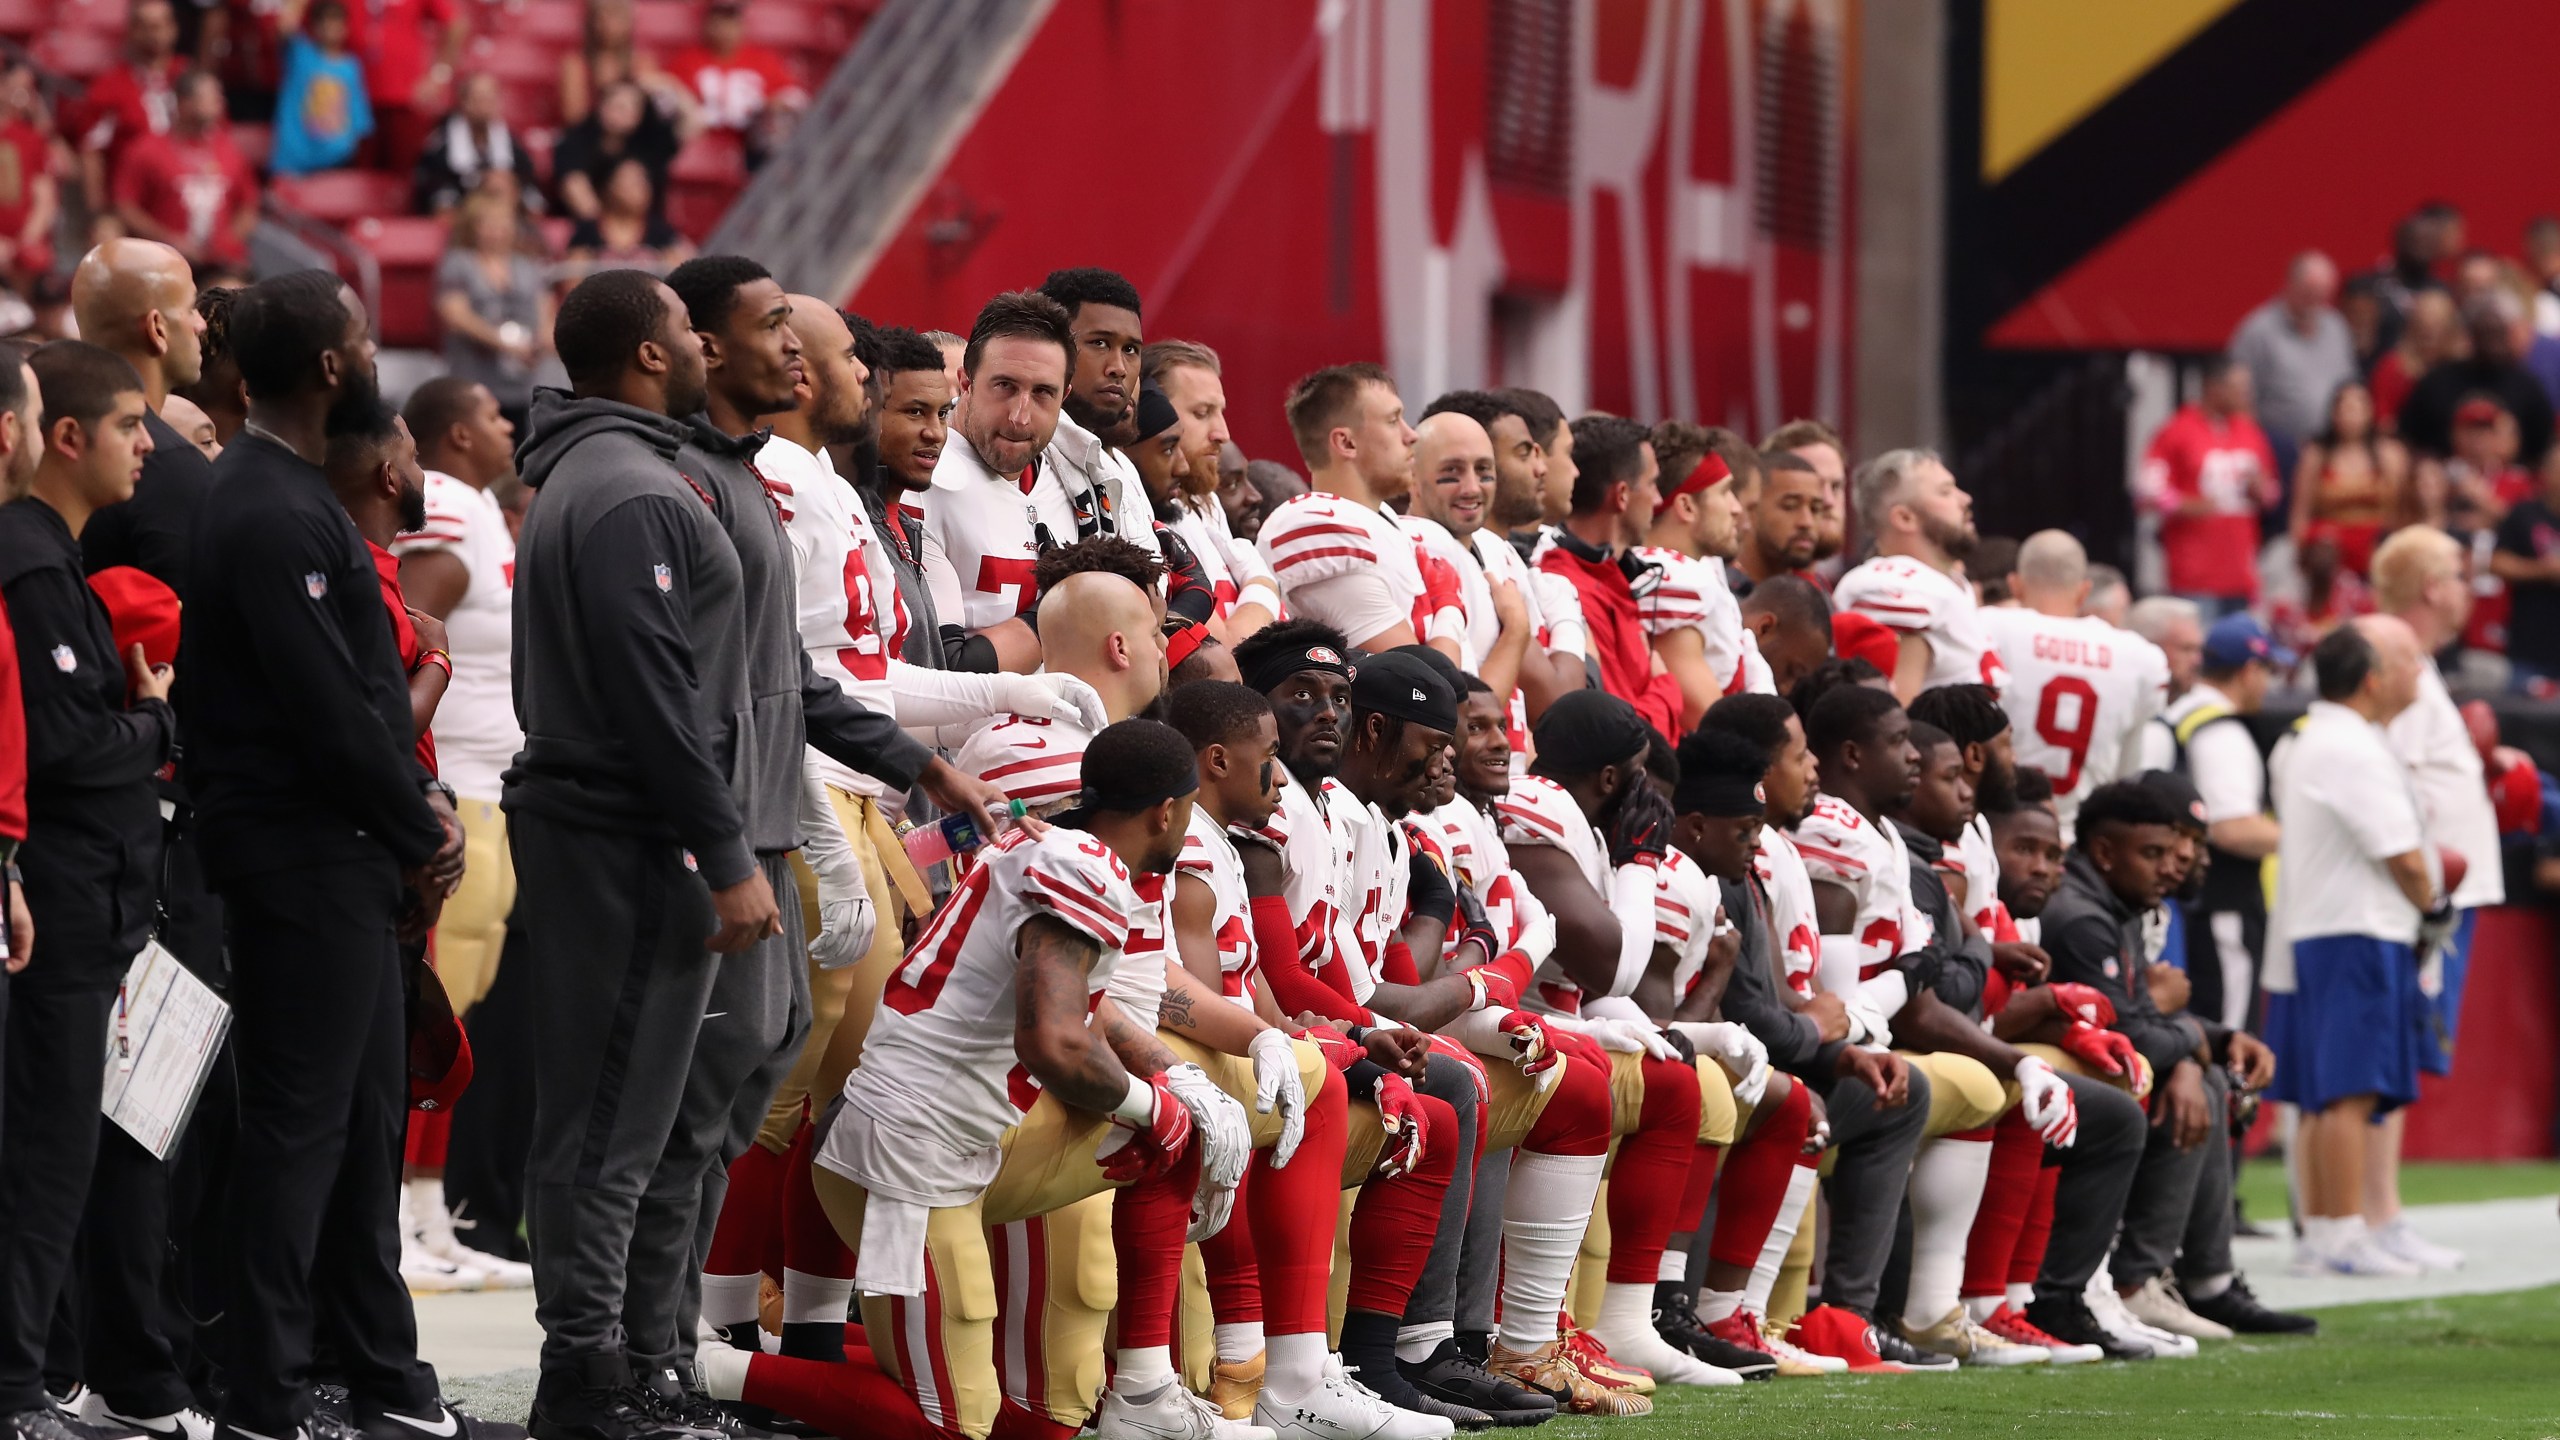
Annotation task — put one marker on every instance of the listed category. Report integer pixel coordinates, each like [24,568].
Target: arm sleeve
[73,736]
[644,667]
[847,730]
[1293,988]
[347,747]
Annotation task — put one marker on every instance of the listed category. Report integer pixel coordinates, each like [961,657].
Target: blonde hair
[2404,565]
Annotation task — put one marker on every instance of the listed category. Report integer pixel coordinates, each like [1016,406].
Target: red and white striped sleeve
[1075,879]
[1030,759]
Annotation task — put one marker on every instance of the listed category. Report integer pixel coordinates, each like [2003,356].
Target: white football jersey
[1194,529]
[1974,858]
[851,618]
[1792,923]
[1315,861]
[476,732]
[985,533]
[1343,563]
[939,1082]
[1379,886]
[1477,627]
[1694,595]
[1034,759]
[1870,861]
[1210,857]
[1137,982]
[1910,596]
[1538,811]
[2079,693]
[1685,914]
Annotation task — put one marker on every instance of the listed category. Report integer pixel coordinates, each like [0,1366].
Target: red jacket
[1617,632]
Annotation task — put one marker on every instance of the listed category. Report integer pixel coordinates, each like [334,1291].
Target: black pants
[48,1153]
[484,1166]
[2097,1178]
[321,1043]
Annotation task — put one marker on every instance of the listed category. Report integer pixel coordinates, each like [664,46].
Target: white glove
[846,921]
[1218,1125]
[846,927]
[2047,1103]
[1738,1049]
[1211,1208]
[1048,696]
[1866,1021]
[1627,1037]
[1276,1085]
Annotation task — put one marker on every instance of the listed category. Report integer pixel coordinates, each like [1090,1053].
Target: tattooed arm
[1202,1015]
[1135,1043]
[1050,1036]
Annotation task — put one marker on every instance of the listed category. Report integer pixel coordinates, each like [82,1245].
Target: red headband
[1709,472]
[1179,644]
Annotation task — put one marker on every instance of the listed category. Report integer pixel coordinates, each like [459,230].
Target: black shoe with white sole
[1451,1375]
[2238,1307]
[1675,1319]
[2068,1318]
[438,1421]
[1903,1353]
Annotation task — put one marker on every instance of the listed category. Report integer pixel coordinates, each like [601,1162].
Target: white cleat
[430,1274]
[1341,1408]
[1170,1413]
[1669,1365]
[2108,1309]
[179,1425]
[2401,1239]
[2364,1254]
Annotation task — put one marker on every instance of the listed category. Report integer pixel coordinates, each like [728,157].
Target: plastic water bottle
[951,835]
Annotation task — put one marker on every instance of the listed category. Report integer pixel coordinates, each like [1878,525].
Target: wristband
[441,659]
[1361,1080]
[1138,1107]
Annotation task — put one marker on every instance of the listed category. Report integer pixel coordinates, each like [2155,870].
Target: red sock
[1291,1220]
[430,1131]
[2016,1154]
[1755,1180]
[1576,1120]
[1652,1172]
[750,1222]
[2028,1259]
[1235,1276]
[1392,1226]
[1147,1223]
[810,1243]
[854,1398]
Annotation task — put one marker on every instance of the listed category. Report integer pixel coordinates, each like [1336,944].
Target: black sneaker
[663,1402]
[1893,1348]
[591,1402]
[766,1418]
[1369,1356]
[1675,1319]
[2067,1318]
[1452,1376]
[2240,1309]
[440,1422]
[701,1412]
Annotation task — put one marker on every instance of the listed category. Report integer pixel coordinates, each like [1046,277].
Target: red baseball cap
[1863,637]
[439,1048]
[143,610]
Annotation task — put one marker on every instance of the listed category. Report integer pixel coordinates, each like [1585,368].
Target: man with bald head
[2080,690]
[1455,476]
[1102,630]
[138,298]
[2297,351]
[2365,903]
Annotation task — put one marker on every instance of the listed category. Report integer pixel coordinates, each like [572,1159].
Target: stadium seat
[337,197]
[707,174]
[559,24]
[21,18]
[75,53]
[104,16]
[407,248]
[665,24]
[253,141]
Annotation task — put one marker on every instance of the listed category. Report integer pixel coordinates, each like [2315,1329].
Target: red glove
[2104,1051]
[1338,1050]
[1506,978]
[1532,1048]
[1408,1129]
[2084,1004]
[1154,1146]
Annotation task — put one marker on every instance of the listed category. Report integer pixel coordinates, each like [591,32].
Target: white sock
[2022,1294]
[1626,1328]
[1293,1365]
[1946,1188]
[1417,1343]
[1801,1183]
[1715,1305]
[1545,1211]
[2206,1288]
[820,1298]
[723,1370]
[729,1299]
[1983,1307]
[1674,1268]
[2326,1233]
[1142,1370]
[1239,1342]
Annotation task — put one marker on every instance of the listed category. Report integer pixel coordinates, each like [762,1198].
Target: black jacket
[300,749]
[92,857]
[2095,939]
[1953,965]
[1754,997]
[151,531]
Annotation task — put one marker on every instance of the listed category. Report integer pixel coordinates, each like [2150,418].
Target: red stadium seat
[104,16]
[665,24]
[77,54]
[407,248]
[509,58]
[21,18]
[707,175]
[337,197]
[560,24]
[253,141]
[788,25]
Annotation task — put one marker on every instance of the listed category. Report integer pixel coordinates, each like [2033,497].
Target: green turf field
[2428,1183]
[2475,1365]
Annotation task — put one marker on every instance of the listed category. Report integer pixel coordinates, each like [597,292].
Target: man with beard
[1819,446]
[1691,617]
[990,511]
[320,829]
[1554,661]
[373,467]
[910,423]
[1971,716]
[1189,375]
[2083,691]
[1787,520]
[1615,494]
[1921,523]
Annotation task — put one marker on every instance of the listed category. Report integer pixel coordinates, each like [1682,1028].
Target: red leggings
[2007,1196]
[1755,1180]
[1651,1175]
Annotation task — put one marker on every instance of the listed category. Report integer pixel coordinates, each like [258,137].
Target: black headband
[1271,669]
[1723,793]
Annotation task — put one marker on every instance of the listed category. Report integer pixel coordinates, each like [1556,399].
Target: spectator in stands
[2208,473]
[471,142]
[623,127]
[135,99]
[2360,305]
[747,90]
[29,203]
[410,49]
[608,56]
[189,187]
[495,304]
[2298,352]
[2431,335]
[2495,322]
[629,232]
[2527,559]
[323,110]
[2352,481]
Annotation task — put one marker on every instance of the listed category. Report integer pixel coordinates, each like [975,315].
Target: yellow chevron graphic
[2047,63]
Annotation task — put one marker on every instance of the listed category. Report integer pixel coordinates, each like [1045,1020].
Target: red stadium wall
[1540,192]
[2502,1101]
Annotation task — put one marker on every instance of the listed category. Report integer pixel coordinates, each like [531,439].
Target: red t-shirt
[122,105]
[23,160]
[392,41]
[387,565]
[13,737]
[1617,637]
[734,89]
[2229,465]
[193,187]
